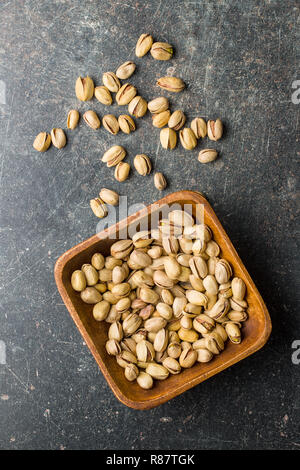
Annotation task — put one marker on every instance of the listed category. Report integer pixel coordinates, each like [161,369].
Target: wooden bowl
[256,329]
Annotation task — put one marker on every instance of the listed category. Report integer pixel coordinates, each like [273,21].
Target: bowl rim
[259,342]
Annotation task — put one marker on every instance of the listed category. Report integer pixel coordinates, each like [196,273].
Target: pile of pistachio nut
[170,298]
[126,94]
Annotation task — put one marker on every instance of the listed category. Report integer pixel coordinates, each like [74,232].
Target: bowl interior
[255,330]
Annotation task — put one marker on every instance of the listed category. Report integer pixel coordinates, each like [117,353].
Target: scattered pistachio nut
[214,129]
[111,124]
[58,138]
[142,164]
[143,45]
[161,51]
[207,155]
[177,120]
[42,142]
[114,155]
[172,84]
[126,123]
[160,181]
[125,94]
[103,95]
[91,119]
[111,81]
[84,88]
[72,119]
[138,107]
[161,119]
[187,138]
[109,196]
[122,171]
[98,207]
[126,70]
[199,127]
[158,105]
[168,138]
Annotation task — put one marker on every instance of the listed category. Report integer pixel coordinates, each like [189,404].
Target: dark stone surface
[239,61]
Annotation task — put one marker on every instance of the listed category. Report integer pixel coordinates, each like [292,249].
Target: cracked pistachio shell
[84,88]
[172,84]
[42,142]
[158,105]
[140,258]
[72,119]
[198,266]
[187,138]
[126,123]
[203,324]
[111,124]
[223,271]
[114,155]
[131,372]
[145,380]
[160,181]
[101,310]
[161,119]
[98,207]
[137,107]
[237,316]
[128,344]
[113,347]
[234,332]
[109,196]
[122,171]
[214,129]
[145,351]
[91,119]
[78,280]
[168,138]
[177,120]
[142,164]
[121,290]
[199,127]
[90,295]
[115,331]
[188,357]
[125,358]
[126,70]
[143,45]
[111,81]
[161,51]
[172,365]
[220,309]
[121,248]
[207,155]
[172,268]
[149,296]
[157,371]
[131,324]
[122,306]
[221,331]
[126,93]
[142,239]
[214,343]
[102,94]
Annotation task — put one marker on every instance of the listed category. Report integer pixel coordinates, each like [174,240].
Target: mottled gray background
[239,61]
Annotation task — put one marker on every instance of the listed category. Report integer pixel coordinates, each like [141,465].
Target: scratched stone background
[239,60]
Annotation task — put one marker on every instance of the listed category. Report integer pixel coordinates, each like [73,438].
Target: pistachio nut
[168,138]
[42,142]
[186,345]
[98,261]
[223,271]
[213,250]
[126,123]
[225,290]
[198,267]
[221,331]
[91,119]
[118,274]
[142,239]
[166,296]
[84,88]
[98,207]
[238,305]
[233,331]
[145,351]
[112,347]
[214,343]
[72,119]
[143,45]
[203,324]
[238,288]
[149,296]
[155,324]
[122,171]
[91,274]
[220,309]
[183,258]
[140,335]
[111,81]
[172,84]
[157,371]
[138,107]
[187,358]
[237,316]
[140,258]
[210,284]
[207,155]
[187,138]
[161,51]
[174,325]
[122,306]
[131,324]
[145,380]
[78,280]
[126,70]
[196,283]
[174,350]
[111,298]
[121,248]
[188,335]
[177,120]
[197,298]
[103,95]
[161,119]
[114,155]
[125,358]
[161,340]
[199,344]
[128,344]
[131,372]
[214,129]
[121,290]
[158,105]
[186,322]
[161,279]
[113,315]
[101,310]
[178,306]
[204,355]
[111,124]
[142,164]
[172,365]
[146,312]
[105,275]
[126,93]
[90,295]
[115,331]
[172,268]
[198,126]
[160,181]
[109,196]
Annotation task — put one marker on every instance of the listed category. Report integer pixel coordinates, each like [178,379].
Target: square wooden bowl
[256,329]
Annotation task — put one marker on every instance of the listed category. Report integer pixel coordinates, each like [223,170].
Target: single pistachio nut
[103,95]
[172,84]
[142,239]
[131,324]
[161,340]
[78,280]
[172,365]
[123,306]
[114,155]
[142,164]
[238,288]
[105,275]
[101,310]
[126,123]
[233,331]
[210,284]
[161,119]
[213,250]
[186,322]
[199,127]
[126,70]
[125,358]
[188,335]
[186,345]
[158,105]
[166,296]
[145,351]
[223,271]
[157,371]
[131,372]
[149,296]
[207,155]
[128,344]
[90,295]
[220,309]
[177,120]
[122,171]
[214,129]
[214,343]
[126,93]
[164,310]
[161,51]
[168,138]
[145,380]
[203,324]
[143,45]
[111,124]
[204,355]
[153,325]
[72,119]
[198,267]
[119,274]
[160,181]
[188,357]
[174,349]
[84,88]
[196,283]
[235,316]
[138,107]
[199,344]
[146,312]
[91,274]
[187,138]
[91,119]
[98,207]
[115,331]
[109,196]
[160,356]
[121,290]
[139,258]
[221,331]
[111,81]
[113,347]
[42,142]
[238,305]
